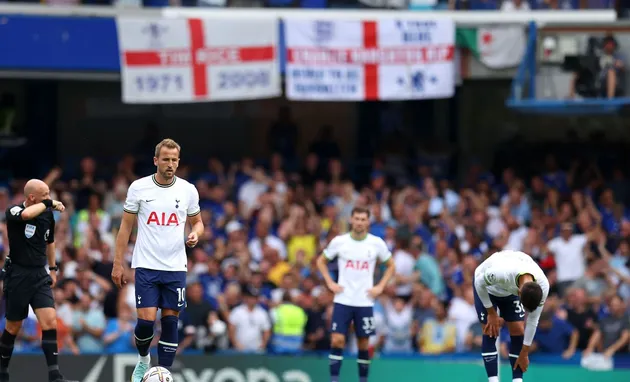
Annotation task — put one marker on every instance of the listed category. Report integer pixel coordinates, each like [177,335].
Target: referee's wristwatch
[55,268]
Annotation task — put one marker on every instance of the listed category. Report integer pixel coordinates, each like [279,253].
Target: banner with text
[196,60]
[359,60]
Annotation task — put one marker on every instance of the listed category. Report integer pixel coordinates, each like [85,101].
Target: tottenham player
[512,282]
[163,204]
[356,254]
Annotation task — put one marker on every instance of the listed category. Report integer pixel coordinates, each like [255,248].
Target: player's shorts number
[518,307]
[181,294]
[368,324]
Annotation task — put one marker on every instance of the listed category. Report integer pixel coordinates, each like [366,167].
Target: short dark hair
[531,296]
[360,210]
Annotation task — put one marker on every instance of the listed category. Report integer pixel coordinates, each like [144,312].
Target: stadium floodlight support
[461,18]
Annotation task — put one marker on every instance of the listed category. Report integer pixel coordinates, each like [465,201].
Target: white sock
[147,359]
[493,379]
[517,380]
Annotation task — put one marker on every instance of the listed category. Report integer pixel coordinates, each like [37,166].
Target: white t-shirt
[398,330]
[249,326]
[569,257]
[463,316]
[256,247]
[250,191]
[404,266]
[162,212]
[499,274]
[516,239]
[356,260]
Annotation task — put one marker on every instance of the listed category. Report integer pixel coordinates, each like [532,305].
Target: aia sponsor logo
[358,265]
[162,218]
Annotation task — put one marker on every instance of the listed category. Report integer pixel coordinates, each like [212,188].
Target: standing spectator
[289,323]
[249,325]
[404,262]
[568,252]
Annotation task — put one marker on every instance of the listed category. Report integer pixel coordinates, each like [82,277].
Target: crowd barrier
[307,368]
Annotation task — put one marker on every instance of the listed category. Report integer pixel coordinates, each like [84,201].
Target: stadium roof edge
[583,17]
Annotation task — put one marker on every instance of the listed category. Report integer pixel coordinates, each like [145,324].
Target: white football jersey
[162,211]
[356,260]
[498,276]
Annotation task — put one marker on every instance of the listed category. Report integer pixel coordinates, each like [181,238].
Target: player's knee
[516,328]
[13,327]
[147,314]
[338,341]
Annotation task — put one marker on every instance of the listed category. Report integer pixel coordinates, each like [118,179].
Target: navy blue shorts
[160,289]
[361,316]
[510,308]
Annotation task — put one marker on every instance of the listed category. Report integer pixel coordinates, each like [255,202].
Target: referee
[31,231]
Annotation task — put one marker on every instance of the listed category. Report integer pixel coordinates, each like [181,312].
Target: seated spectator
[88,325]
[398,326]
[581,316]
[118,336]
[600,75]
[555,335]
[438,336]
[463,314]
[613,333]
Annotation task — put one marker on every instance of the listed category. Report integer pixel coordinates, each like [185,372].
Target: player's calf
[337,344]
[517,331]
[167,346]
[144,335]
[364,365]
[490,357]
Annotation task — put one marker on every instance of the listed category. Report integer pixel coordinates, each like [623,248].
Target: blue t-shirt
[554,339]
[123,343]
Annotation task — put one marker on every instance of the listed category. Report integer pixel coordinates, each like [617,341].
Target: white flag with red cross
[195,60]
[358,60]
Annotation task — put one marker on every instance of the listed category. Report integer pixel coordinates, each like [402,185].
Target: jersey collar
[163,185]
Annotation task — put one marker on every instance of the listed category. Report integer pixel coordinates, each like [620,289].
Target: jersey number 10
[181,294]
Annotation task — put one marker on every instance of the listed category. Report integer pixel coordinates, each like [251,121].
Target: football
[157,374]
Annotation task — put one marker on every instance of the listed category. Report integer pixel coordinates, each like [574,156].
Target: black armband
[55,268]
[48,203]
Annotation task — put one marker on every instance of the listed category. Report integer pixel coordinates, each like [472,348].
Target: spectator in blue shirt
[118,337]
[555,335]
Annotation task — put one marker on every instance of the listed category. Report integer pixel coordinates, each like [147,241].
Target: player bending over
[356,253]
[163,203]
[512,282]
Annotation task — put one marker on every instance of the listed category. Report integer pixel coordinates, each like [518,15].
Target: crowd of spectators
[265,226]
[485,5]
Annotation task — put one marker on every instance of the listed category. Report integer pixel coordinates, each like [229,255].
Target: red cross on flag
[194,60]
[359,60]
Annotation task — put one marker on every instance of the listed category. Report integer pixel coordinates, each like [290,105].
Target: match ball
[157,374]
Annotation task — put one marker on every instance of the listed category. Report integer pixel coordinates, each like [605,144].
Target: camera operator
[601,73]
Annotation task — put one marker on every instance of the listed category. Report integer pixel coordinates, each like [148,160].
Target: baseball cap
[233,226]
